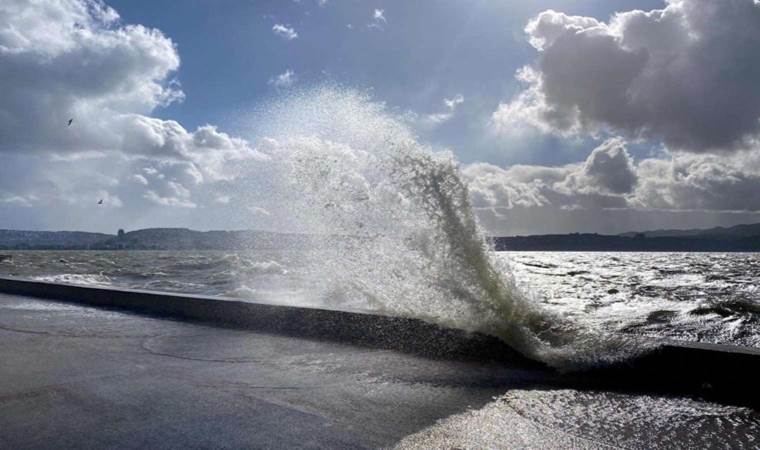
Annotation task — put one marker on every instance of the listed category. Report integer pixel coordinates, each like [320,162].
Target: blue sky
[424,52]
[583,115]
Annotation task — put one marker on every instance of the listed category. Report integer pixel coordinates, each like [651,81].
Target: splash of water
[398,234]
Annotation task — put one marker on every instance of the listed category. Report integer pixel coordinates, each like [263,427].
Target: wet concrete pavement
[75,376]
[80,377]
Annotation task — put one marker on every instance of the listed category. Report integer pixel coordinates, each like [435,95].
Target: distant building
[120,233]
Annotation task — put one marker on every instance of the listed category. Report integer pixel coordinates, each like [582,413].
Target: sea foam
[398,233]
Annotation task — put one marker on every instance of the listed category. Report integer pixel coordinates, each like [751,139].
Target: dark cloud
[608,169]
[686,74]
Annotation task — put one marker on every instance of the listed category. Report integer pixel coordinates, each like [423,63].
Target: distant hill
[172,239]
[740,238]
[54,240]
[147,239]
[738,231]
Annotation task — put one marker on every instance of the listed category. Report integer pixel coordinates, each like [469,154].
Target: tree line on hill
[740,238]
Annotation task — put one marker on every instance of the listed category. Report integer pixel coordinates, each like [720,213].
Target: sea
[695,297]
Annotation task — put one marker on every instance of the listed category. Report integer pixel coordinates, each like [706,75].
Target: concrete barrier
[720,372]
[356,328]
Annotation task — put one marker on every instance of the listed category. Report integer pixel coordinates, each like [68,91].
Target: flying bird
[100,202]
[70,122]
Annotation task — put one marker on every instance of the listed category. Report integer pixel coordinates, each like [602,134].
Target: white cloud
[284,80]
[109,200]
[322,3]
[685,74]
[74,59]
[378,19]
[151,171]
[450,106]
[17,200]
[609,178]
[258,211]
[152,196]
[287,33]
[78,156]
[530,108]
[703,182]
[588,185]
[137,178]
[91,199]
[70,59]
[178,189]
[453,103]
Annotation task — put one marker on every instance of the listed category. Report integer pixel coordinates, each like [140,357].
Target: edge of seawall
[355,328]
[718,372]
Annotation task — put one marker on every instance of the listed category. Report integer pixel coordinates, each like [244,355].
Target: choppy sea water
[276,277]
[702,297]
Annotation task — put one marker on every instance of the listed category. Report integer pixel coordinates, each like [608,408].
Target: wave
[265,268]
[399,231]
[76,278]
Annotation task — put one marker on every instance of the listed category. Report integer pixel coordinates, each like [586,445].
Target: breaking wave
[399,235]
[75,278]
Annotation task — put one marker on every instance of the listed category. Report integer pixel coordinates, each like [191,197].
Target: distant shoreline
[605,243]
[741,238]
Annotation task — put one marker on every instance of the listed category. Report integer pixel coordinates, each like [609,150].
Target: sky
[564,116]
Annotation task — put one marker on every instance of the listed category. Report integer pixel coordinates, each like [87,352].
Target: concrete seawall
[719,372]
[364,329]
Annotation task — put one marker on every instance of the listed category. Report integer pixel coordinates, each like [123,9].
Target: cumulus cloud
[168,185]
[287,33]
[75,59]
[608,169]
[283,80]
[704,182]
[610,179]
[450,105]
[592,184]
[70,59]
[685,74]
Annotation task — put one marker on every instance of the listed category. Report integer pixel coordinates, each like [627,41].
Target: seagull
[100,202]
[70,122]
